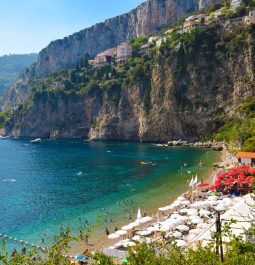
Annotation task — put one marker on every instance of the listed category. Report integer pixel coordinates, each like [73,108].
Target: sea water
[72,182]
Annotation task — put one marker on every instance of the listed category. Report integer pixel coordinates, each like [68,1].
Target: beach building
[235,3]
[124,52]
[245,157]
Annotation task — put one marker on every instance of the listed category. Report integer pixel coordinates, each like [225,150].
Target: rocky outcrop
[142,21]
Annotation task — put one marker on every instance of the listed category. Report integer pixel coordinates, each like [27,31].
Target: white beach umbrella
[113,236]
[212,198]
[121,232]
[182,228]
[195,231]
[173,222]
[189,237]
[220,208]
[183,211]
[127,227]
[181,198]
[177,234]
[141,239]
[204,213]
[144,233]
[136,238]
[170,207]
[199,204]
[129,244]
[146,219]
[175,216]
[133,225]
[192,212]
[202,226]
[111,247]
[196,220]
[213,203]
[119,244]
[152,228]
[164,228]
[185,202]
[180,243]
[139,216]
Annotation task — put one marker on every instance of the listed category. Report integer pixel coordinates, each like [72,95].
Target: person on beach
[129,216]
[116,229]
[107,231]
[86,240]
[14,252]
[24,250]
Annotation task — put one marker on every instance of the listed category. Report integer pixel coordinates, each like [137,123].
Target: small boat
[36,141]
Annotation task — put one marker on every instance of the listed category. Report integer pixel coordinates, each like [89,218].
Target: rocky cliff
[185,89]
[141,21]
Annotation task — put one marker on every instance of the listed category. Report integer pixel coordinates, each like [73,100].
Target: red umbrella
[227,183]
[245,182]
[212,187]
[238,180]
[231,180]
[202,184]
[232,174]
[221,176]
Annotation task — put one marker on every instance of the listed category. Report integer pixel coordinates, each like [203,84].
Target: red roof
[245,155]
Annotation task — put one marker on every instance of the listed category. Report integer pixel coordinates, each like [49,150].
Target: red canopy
[202,184]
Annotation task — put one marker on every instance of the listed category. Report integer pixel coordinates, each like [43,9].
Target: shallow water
[70,181]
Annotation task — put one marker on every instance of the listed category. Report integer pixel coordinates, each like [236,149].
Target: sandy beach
[100,240]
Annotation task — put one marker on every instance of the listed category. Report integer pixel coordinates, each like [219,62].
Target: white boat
[36,141]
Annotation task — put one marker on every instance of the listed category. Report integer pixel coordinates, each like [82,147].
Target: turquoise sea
[70,181]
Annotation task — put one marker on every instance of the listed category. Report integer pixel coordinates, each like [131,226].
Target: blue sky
[29,25]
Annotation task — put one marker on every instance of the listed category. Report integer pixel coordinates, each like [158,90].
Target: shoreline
[100,240]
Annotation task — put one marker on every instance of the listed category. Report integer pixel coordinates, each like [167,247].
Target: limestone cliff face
[141,21]
[188,96]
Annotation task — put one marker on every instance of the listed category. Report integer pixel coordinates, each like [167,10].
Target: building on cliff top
[144,48]
[235,3]
[124,52]
[104,57]
[188,26]
[249,19]
[245,157]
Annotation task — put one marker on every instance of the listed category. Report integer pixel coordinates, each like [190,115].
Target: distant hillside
[11,66]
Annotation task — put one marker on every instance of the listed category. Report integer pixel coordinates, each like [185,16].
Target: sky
[27,26]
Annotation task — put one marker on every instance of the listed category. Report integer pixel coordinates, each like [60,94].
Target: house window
[239,160]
